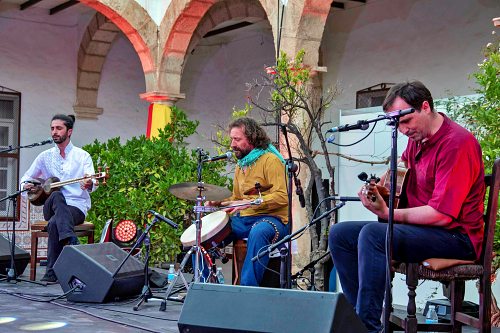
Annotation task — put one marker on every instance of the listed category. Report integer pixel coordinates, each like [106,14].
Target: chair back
[490,217]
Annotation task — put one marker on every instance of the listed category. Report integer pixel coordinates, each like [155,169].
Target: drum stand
[196,248]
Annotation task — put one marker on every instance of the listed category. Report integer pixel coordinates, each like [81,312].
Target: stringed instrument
[43,190]
[384,188]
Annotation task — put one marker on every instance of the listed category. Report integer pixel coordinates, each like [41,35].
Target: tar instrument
[215,228]
[384,188]
[46,187]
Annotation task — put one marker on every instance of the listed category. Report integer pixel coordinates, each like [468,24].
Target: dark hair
[414,93]
[253,132]
[69,120]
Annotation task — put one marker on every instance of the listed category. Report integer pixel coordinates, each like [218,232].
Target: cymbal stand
[196,248]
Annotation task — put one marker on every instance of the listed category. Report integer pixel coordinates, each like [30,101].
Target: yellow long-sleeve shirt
[267,170]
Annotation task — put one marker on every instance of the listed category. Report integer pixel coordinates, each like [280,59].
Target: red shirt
[447,173]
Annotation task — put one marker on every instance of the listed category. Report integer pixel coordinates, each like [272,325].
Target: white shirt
[77,163]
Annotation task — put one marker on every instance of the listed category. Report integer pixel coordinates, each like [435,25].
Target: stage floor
[26,306]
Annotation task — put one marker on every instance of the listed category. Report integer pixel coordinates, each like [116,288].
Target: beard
[241,153]
[59,139]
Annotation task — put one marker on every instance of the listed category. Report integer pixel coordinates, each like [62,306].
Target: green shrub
[141,171]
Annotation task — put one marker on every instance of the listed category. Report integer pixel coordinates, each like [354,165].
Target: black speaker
[21,257]
[211,308]
[92,266]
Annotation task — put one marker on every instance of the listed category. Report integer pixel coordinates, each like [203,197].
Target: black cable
[355,143]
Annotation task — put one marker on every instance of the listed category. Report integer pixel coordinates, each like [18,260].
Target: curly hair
[253,132]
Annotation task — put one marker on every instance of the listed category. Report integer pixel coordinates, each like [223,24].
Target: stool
[270,279]
[86,229]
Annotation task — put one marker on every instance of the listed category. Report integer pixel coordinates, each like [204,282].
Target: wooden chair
[270,279]
[455,276]
[86,229]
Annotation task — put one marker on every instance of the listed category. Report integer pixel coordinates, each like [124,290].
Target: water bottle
[171,274]
[220,275]
[431,317]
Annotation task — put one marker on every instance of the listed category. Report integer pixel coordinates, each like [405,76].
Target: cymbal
[190,191]
[254,190]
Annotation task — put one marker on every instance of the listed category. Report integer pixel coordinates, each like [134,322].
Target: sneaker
[49,277]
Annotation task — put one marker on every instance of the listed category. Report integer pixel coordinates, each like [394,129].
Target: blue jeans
[260,233]
[358,253]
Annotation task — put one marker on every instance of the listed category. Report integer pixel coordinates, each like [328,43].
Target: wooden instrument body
[43,191]
[384,188]
[38,196]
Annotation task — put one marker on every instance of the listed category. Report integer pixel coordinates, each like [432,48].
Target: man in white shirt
[67,207]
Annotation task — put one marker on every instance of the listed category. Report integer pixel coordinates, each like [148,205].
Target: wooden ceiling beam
[28,4]
[63,6]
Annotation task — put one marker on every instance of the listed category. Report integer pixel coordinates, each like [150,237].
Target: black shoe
[49,277]
[73,240]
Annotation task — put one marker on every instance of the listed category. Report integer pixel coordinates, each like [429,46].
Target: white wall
[216,74]
[38,57]
[436,42]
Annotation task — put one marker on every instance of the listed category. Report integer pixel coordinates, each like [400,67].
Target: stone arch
[96,43]
[309,29]
[137,26]
[182,30]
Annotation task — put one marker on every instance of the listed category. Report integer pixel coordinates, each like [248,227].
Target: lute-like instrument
[45,187]
[384,188]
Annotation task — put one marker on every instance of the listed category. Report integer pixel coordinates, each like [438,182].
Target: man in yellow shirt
[258,162]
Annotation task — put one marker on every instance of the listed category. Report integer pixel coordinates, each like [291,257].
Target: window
[372,96]
[10,102]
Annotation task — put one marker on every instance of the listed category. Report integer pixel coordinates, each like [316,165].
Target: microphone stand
[10,148]
[289,237]
[291,172]
[11,271]
[310,268]
[393,118]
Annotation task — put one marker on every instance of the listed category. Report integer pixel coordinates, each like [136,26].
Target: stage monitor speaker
[21,257]
[211,308]
[91,267]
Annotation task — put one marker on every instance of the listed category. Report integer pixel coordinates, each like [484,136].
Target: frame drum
[215,227]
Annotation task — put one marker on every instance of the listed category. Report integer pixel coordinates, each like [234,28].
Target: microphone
[44,142]
[219,157]
[163,218]
[361,124]
[399,113]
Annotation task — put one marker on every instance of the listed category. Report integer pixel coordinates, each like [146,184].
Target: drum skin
[215,227]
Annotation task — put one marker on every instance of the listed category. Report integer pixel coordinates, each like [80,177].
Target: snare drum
[215,227]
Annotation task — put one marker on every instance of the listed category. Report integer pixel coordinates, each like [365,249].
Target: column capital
[162,97]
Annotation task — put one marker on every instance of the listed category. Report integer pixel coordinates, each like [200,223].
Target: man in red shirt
[444,214]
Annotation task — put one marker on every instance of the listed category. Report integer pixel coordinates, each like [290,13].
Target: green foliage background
[482,116]
[141,171]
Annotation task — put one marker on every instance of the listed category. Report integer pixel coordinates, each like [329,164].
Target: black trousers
[62,219]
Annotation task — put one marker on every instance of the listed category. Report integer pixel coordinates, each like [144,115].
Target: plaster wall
[436,42]
[215,77]
[38,58]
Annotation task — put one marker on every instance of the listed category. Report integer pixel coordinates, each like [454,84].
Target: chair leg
[411,309]
[485,304]
[456,299]
[34,255]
